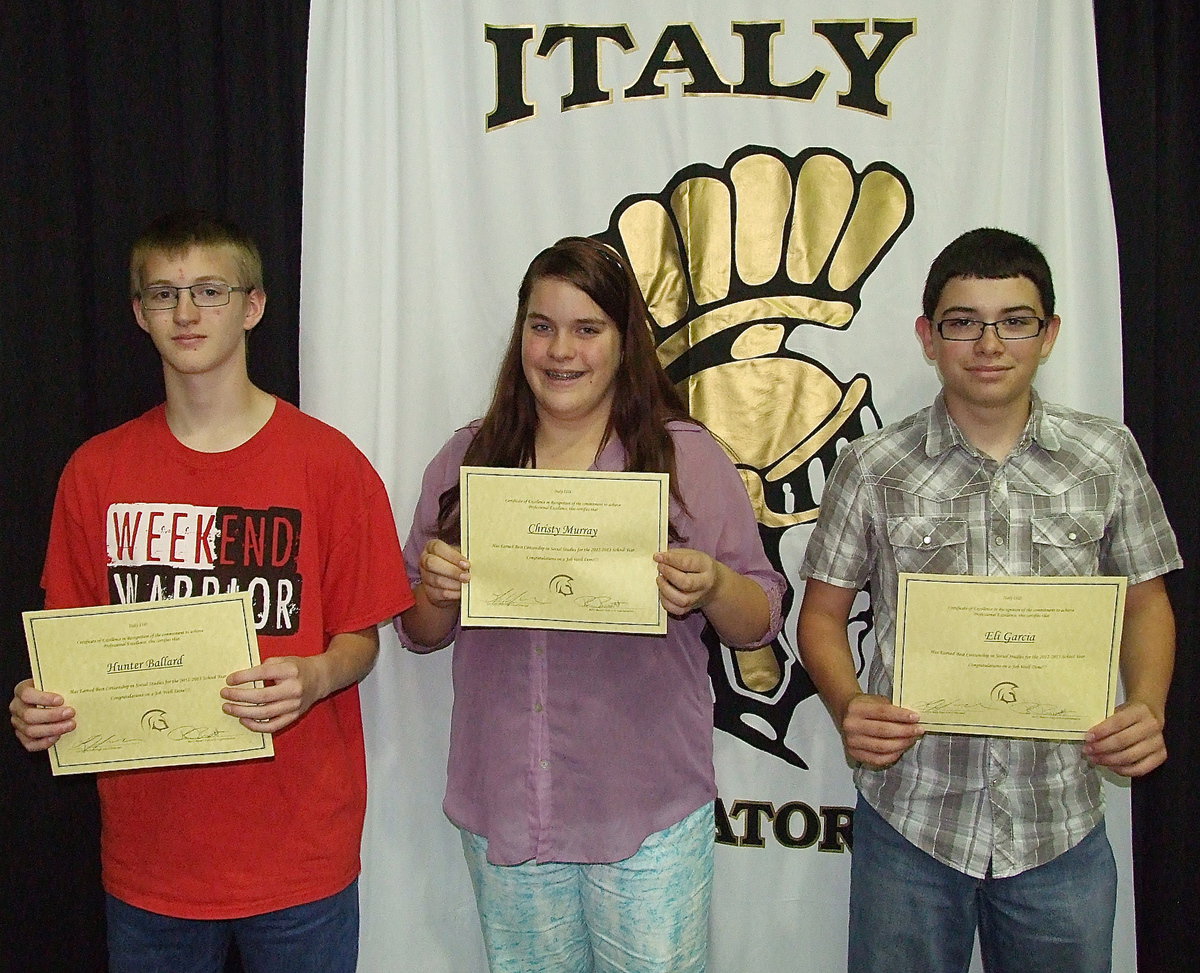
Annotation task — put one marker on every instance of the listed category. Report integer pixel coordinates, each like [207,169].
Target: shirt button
[543,764]
[999,541]
[1071,536]
[537,707]
[926,540]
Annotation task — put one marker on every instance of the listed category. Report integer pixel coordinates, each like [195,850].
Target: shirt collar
[942,433]
[1039,428]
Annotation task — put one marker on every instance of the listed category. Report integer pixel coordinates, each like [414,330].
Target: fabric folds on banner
[780,176]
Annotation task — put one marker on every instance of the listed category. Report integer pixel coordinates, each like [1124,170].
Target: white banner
[781,176]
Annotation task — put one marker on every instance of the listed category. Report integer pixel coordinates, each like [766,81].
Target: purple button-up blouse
[576,746]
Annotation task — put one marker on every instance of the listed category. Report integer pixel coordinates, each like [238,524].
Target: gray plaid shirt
[1073,498]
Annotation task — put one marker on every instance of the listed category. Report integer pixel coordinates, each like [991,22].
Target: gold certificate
[1014,657]
[564,549]
[145,681]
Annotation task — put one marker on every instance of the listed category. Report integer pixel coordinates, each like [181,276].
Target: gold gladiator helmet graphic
[735,263]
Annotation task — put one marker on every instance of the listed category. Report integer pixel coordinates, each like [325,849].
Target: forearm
[827,658]
[875,732]
[348,658]
[1148,645]
[739,609]
[425,623]
[1131,742]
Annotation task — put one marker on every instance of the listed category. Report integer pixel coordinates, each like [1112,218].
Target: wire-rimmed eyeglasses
[1007,329]
[209,293]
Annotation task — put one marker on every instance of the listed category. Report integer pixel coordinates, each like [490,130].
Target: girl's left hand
[687,579]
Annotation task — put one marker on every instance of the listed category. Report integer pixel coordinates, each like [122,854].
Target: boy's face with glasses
[987,339]
[196,309]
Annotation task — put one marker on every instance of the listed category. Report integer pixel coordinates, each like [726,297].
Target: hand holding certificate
[144,680]
[1016,657]
[564,549]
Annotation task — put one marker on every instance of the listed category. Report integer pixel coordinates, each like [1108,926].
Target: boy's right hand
[39,718]
[443,571]
[875,732]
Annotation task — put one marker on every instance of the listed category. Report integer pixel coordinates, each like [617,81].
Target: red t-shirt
[297,516]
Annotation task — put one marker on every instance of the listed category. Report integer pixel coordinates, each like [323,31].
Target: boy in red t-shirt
[261,852]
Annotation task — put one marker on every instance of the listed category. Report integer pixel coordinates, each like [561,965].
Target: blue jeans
[646,914]
[909,912]
[317,937]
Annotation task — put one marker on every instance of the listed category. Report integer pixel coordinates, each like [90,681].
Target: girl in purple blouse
[580,771]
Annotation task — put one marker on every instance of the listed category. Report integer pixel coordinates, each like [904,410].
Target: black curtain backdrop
[114,111]
[1149,55]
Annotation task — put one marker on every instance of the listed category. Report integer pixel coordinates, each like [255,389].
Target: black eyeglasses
[1007,329]
[210,293]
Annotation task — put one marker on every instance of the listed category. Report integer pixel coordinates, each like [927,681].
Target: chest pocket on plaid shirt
[1068,543]
[929,545]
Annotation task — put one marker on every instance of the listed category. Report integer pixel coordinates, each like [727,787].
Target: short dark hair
[177,232]
[988,253]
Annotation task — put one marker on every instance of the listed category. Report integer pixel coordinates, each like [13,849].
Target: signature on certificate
[564,585]
[514,598]
[599,602]
[1009,705]
[100,742]
[198,734]
[1009,693]
[157,721]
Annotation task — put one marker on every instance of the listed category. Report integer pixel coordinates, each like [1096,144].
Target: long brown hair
[644,399]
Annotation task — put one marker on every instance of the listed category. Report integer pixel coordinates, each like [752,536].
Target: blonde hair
[174,234]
